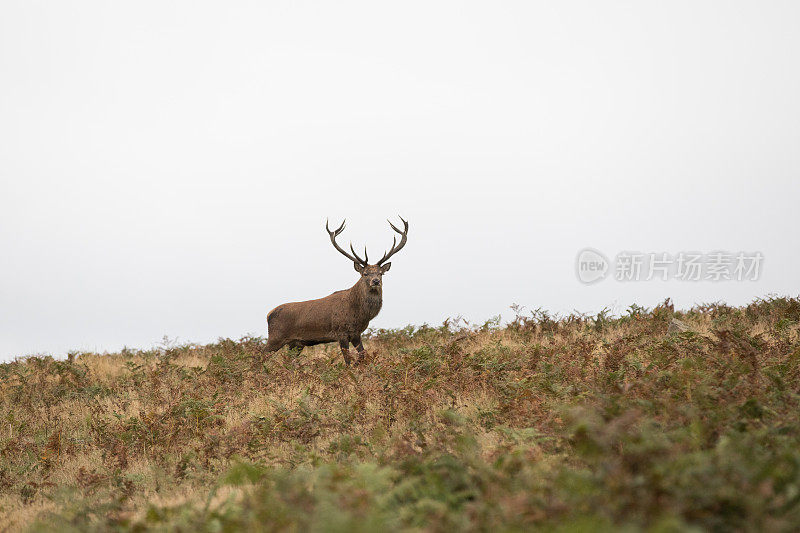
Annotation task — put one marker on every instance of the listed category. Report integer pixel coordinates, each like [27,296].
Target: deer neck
[366,300]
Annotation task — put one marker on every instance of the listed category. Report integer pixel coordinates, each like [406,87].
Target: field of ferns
[655,420]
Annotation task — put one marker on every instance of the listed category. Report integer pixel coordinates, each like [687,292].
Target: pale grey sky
[167,167]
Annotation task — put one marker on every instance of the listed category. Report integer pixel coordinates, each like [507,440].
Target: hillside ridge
[568,422]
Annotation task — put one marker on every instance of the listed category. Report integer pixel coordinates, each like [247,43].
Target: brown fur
[340,317]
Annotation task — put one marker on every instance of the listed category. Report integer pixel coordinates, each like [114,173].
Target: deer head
[371,275]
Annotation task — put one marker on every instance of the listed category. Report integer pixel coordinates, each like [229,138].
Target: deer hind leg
[274,344]
[344,345]
[296,347]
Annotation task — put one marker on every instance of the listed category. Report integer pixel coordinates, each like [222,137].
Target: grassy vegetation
[564,424]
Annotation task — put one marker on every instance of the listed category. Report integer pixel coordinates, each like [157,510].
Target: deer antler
[396,247]
[335,233]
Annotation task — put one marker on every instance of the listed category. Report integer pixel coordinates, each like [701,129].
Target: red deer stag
[344,315]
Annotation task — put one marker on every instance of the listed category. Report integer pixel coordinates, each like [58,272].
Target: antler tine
[403,238]
[386,255]
[333,235]
[362,261]
[338,230]
[405,224]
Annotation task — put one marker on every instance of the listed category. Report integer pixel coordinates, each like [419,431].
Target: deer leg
[274,344]
[359,348]
[296,347]
[344,345]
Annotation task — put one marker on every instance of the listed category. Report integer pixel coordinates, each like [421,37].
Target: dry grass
[577,422]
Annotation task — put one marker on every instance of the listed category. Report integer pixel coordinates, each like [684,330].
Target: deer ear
[385,268]
[358,268]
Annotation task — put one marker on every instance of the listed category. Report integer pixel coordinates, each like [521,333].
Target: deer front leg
[359,348]
[344,345]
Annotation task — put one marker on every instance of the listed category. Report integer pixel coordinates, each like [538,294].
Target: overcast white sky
[166,168]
